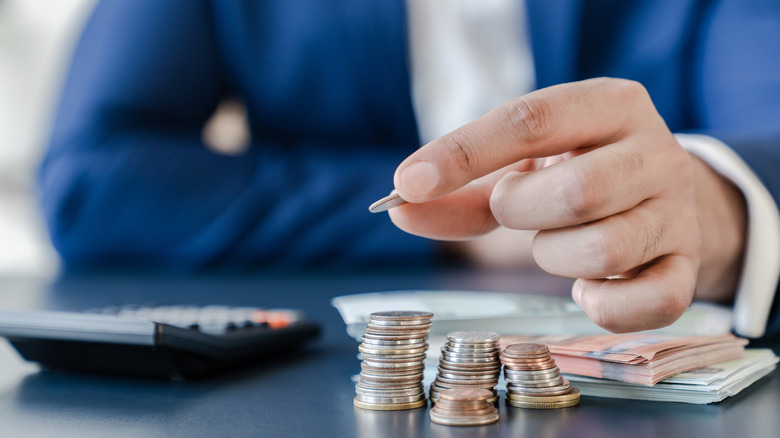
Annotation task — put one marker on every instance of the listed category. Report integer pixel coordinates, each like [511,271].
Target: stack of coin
[464,407]
[468,360]
[533,380]
[393,356]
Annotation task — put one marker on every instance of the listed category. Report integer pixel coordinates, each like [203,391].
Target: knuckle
[607,254]
[626,88]
[579,194]
[672,308]
[498,206]
[501,204]
[600,313]
[529,120]
[460,152]
[653,231]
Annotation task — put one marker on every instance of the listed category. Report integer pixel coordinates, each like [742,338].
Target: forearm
[162,199]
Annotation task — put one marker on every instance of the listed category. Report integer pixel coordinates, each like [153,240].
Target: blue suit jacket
[326,83]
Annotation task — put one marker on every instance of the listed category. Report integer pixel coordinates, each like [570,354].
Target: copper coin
[465,394]
[484,409]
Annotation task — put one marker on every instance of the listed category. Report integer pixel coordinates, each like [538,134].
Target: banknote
[704,385]
[638,358]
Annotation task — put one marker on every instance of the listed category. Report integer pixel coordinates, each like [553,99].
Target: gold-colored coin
[543,405]
[389,407]
[573,394]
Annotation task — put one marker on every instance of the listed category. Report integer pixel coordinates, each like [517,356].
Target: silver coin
[473,345]
[463,382]
[530,374]
[493,372]
[399,330]
[434,395]
[466,366]
[390,400]
[382,384]
[390,372]
[395,336]
[464,421]
[537,383]
[467,378]
[398,322]
[521,381]
[473,337]
[392,345]
[383,364]
[549,390]
[390,201]
[447,385]
[401,314]
[389,343]
[393,351]
[474,360]
[407,392]
[455,357]
[391,328]
[392,358]
[459,348]
[389,377]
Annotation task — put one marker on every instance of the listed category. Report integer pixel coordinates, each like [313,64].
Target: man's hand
[591,165]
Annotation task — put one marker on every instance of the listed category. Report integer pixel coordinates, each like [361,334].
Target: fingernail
[576,292]
[419,179]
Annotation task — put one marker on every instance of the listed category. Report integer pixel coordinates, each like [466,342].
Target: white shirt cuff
[761,265]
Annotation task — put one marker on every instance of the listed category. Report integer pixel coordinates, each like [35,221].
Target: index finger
[547,122]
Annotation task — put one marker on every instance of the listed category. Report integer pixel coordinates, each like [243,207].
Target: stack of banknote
[640,358]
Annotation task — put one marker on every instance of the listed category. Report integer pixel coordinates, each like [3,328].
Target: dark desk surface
[310,394]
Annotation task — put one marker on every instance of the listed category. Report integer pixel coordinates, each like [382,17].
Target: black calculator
[176,342]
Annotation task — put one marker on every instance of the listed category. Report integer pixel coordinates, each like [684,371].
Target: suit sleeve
[737,79]
[127,178]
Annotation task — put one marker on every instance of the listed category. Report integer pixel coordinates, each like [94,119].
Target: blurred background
[36,39]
